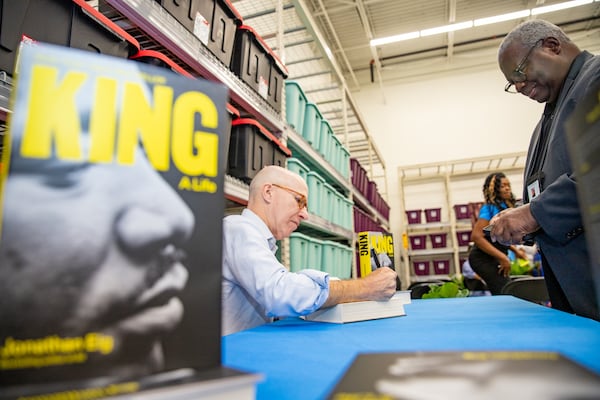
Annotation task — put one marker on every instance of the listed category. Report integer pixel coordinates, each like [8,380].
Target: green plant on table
[454,288]
[520,266]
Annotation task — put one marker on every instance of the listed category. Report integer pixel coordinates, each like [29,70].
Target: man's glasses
[518,74]
[299,197]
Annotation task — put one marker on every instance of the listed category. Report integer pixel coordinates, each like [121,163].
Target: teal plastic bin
[315,184]
[337,259]
[325,140]
[345,263]
[295,106]
[335,153]
[336,206]
[329,202]
[346,213]
[315,253]
[329,255]
[297,166]
[311,130]
[344,162]
[299,248]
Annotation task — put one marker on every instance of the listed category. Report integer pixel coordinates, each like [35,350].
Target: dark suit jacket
[561,239]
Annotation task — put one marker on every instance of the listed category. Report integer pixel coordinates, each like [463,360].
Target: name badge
[535,185]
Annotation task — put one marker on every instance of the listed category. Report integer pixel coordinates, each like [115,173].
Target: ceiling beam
[362,12]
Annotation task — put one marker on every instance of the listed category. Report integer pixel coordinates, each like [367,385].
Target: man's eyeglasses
[299,197]
[518,74]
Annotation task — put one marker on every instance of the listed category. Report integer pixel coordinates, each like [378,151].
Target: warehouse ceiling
[304,32]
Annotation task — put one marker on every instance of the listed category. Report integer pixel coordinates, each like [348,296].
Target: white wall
[445,118]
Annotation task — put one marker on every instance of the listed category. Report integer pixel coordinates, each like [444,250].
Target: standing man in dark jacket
[541,62]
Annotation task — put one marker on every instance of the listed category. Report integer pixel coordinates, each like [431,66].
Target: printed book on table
[466,375]
[376,250]
[363,310]
[111,211]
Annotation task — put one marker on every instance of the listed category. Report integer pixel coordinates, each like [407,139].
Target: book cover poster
[485,375]
[375,250]
[110,246]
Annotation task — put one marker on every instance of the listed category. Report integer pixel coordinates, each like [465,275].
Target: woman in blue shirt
[490,260]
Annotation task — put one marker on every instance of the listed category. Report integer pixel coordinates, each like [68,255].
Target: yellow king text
[121,116]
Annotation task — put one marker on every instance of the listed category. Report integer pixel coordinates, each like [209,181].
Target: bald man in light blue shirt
[256,286]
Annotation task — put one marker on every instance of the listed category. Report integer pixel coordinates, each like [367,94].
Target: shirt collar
[262,227]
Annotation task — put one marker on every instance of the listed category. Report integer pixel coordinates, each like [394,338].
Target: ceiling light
[480,22]
[393,39]
[559,6]
[502,18]
[447,28]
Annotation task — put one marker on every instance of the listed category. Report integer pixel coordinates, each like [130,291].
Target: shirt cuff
[320,277]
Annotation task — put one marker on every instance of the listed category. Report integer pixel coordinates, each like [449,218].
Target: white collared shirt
[256,286]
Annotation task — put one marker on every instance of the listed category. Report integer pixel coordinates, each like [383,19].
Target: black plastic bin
[158,59]
[277,76]
[251,147]
[68,23]
[256,64]
[213,22]
[250,61]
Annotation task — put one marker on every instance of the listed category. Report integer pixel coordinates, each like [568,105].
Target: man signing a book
[256,286]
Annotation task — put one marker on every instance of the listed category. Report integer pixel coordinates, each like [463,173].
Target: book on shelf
[376,250]
[111,208]
[363,310]
[465,375]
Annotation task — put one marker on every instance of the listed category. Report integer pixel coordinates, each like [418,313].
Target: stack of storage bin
[474,211]
[323,199]
[463,238]
[307,120]
[364,222]
[441,267]
[413,216]
[67,23]
[315,183]
[368,188]
[421,267]
[360,179]
[251,147]
[295,106]
[462,211]
[418,242]
[213,22]
[311,130]
[307,252]
[438,240]
[220,28]
[337,259]
[326,145]
[256,64]
[297,166]
[433,215]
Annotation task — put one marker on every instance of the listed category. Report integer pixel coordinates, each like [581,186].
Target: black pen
[374,254]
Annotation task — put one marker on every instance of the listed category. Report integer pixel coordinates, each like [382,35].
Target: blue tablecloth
[304,360]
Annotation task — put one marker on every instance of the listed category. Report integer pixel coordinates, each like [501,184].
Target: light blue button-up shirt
[256,286]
